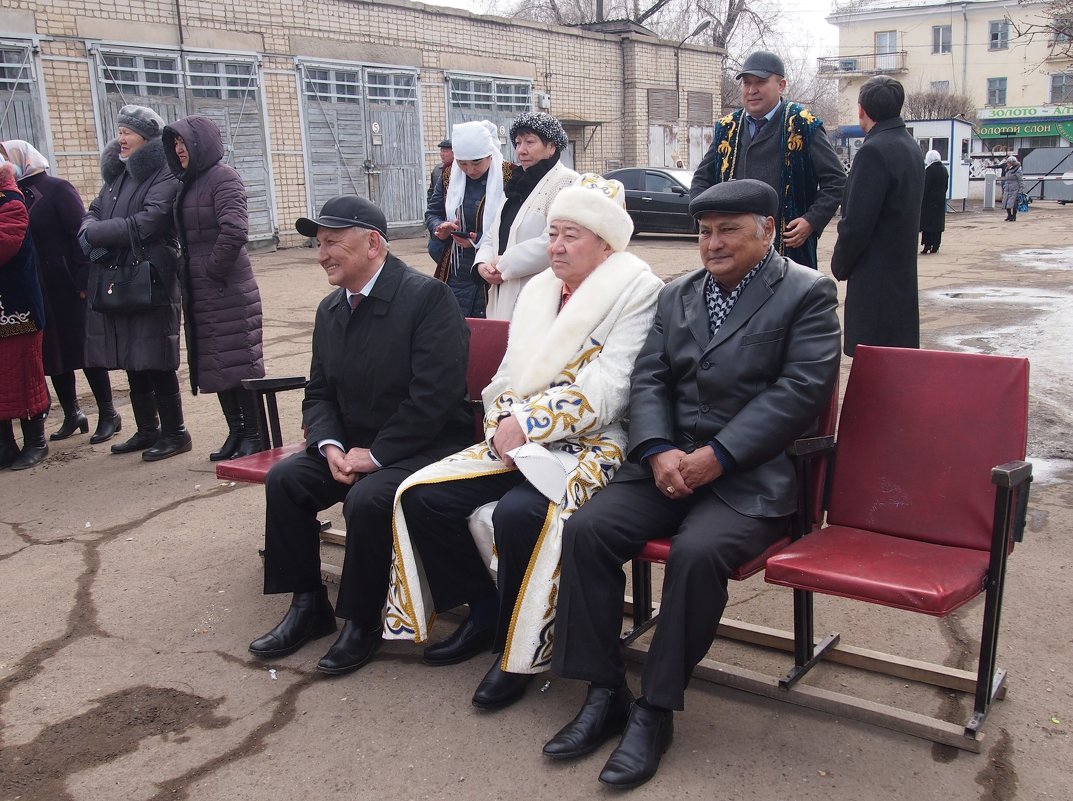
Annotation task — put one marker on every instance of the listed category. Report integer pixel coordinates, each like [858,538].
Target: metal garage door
[20,105]
[483,97]
[222,87]
[363,137]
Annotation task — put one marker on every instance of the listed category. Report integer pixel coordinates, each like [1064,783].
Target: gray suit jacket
[760,383]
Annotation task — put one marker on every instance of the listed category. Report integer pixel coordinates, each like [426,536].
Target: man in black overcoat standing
[386,396]
[876,250]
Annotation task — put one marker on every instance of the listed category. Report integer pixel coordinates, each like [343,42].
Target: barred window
[392,88]
[489,94]
[15,70]
[221,79]
[333,86]
[147,76]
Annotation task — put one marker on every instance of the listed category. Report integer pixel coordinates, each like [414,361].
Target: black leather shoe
[309,617]
[169,444]
[354,648]
[466,642]
[108,425]
[76,422]
[647,736]
[602,716]
[499,688]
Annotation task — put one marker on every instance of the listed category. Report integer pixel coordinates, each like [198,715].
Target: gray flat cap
[744,196]
[762,64]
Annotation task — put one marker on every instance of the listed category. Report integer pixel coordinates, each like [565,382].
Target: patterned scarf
[720,300]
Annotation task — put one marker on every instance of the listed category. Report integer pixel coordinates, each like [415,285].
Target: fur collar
[542,339]
[142,164]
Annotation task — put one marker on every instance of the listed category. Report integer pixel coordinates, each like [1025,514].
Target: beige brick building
[331,96]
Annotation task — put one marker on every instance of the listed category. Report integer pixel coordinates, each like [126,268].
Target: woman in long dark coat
[221,300]
[933,204]
[23,391]
[56,213]
[1013,184]
[136,199]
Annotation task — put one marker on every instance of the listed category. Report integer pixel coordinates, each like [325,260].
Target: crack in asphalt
[118,722]
[951,702]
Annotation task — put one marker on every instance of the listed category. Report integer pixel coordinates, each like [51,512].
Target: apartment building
[338,96]
[1021,85]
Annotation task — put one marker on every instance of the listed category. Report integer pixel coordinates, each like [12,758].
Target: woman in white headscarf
[463,208]
[933,203]
[56,213]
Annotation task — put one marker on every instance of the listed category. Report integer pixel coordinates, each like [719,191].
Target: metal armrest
[811,447]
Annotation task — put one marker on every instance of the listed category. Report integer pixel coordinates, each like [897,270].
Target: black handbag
[130,288]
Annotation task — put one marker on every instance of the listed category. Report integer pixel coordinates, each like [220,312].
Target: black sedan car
[657,199]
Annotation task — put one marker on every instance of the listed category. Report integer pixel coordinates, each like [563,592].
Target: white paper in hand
[544,469]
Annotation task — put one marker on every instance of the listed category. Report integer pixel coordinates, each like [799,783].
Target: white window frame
[941,39]
[485,92]
[140,74]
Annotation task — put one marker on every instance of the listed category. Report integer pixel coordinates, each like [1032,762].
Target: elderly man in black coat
[741,359]
[876,250]
[386,396]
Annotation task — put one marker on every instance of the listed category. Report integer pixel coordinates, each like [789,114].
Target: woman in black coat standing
[221,301]
[56,213]
[134,209]
[933,204]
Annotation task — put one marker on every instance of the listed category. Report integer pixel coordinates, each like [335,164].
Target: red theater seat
[927,495]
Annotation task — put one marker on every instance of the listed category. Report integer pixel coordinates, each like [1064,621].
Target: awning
[1026,128]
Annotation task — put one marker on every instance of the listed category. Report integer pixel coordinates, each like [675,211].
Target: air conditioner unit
[847,65]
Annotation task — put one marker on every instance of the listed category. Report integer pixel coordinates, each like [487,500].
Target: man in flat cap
[782,144]
[741,359]
[447,158]
[386,396]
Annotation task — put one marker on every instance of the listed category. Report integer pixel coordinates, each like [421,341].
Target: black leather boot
[73,419]
[233,416]
[602,716]
[34,447]
[109,423]
[174,438]
[310,616]
[148,432]
[647,737]
[251,435]
[9,449]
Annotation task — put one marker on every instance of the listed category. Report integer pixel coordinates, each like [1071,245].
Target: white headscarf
[931,157]
[472,141]
[26,159]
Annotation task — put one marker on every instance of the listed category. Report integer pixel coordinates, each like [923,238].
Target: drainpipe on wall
[964,53]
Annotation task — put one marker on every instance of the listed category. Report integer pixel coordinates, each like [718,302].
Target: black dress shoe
[354,648]
[465,642]
[499,688]
[602,716]
[647,736]
[309,617]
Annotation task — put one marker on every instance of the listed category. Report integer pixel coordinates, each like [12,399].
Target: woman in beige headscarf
[56,213]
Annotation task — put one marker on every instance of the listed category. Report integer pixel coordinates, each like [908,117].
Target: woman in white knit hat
[463,209]
[560,391]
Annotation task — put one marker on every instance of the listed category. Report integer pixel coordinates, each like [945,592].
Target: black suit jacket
[755,387]
[392,376]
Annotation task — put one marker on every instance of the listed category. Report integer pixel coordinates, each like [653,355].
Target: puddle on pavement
[1050,471]
[1042,258]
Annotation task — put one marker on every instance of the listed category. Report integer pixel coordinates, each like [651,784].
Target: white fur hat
[598,204]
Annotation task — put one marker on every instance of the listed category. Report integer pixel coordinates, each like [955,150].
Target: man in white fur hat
[560,392]
[462,208]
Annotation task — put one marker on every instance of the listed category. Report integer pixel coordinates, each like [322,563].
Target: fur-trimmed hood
[141,165]
[543,339]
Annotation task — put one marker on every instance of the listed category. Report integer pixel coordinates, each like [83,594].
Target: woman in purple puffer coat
[221,302]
